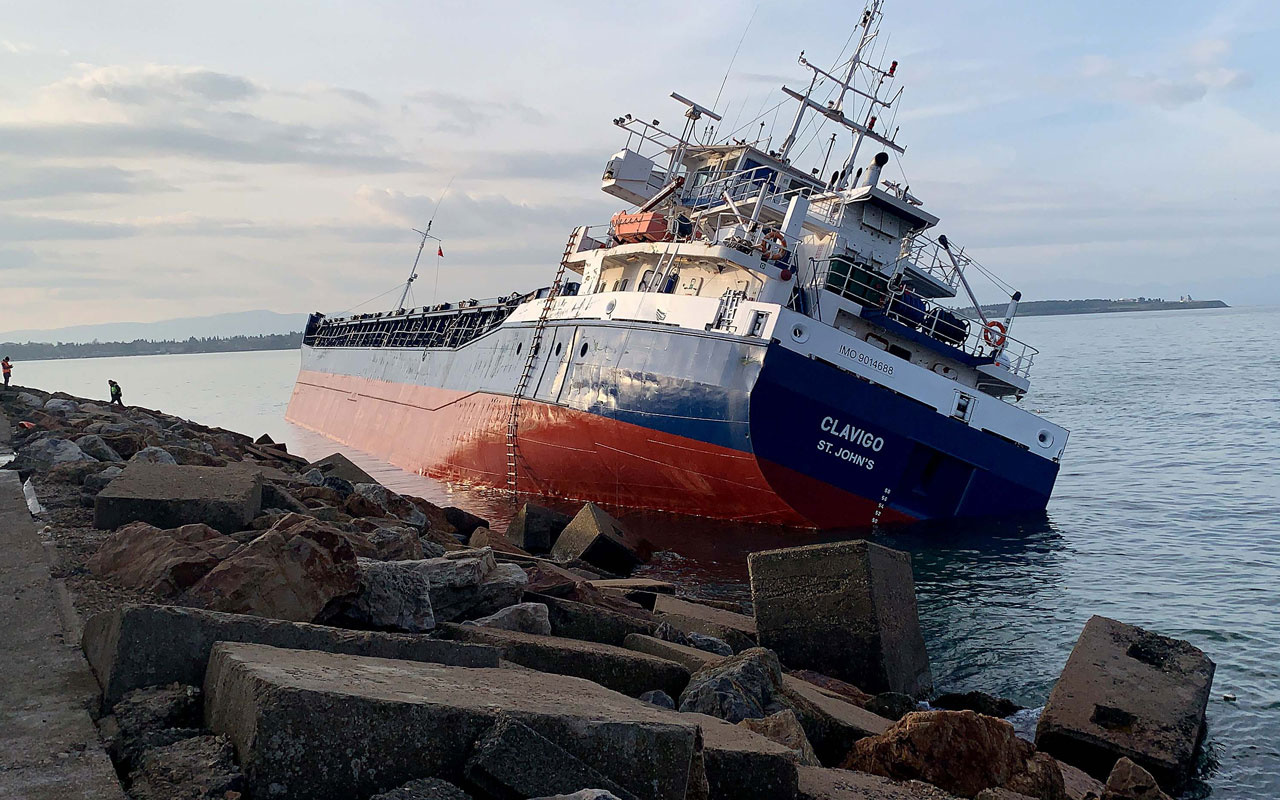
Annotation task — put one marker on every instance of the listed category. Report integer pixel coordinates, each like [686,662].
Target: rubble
[198,768]
[513,760]
[737,630]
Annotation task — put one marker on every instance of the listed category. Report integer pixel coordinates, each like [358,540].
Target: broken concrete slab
[513,760]
[597,538]
[170,496]
[622,670]
[401,720]
[642,591]
[535,528]
[847,610]
[738,630]
[575,620]
[1127,692]
[832,723]
[339,466]
[817,783]
[144,645]
[692,658]
[740,763]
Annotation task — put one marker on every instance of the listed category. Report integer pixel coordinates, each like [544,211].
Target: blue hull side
[819,426]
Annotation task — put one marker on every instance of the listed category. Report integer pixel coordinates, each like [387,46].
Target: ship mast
[834,110]
[413,272]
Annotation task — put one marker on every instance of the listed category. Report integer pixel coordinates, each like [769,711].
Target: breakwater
[178,535]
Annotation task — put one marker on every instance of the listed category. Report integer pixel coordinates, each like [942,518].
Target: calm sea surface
[1166,514]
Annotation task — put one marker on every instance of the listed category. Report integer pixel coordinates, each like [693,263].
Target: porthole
[582,351]
[559,347]
[1045,438]
[799,333]
[519,347]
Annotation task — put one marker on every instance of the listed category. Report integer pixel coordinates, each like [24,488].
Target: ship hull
[729,429]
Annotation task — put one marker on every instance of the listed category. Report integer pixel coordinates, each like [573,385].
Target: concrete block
[831,722]
[144,645]
[170,496]
[738,630]
[740,763]
[622,670]
[1127,692]
[535,528]
[597,538]
[847,610]
[692,658]
[575,620]
[320,726]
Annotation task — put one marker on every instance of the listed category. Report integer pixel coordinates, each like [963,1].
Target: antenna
[413,272]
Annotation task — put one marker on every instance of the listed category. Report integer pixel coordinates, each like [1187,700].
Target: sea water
[1166,513]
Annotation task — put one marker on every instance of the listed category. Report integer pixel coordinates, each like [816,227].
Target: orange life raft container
[647,227]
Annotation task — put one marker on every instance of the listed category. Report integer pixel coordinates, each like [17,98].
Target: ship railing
[447,325]
[871,289]
[927,255]
[739,186]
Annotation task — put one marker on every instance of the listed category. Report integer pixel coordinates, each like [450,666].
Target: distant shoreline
[47,351]
[1054,308]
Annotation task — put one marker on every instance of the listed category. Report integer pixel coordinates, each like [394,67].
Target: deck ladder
[531,360]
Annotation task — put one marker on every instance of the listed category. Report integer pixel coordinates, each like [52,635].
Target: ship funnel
[872,176]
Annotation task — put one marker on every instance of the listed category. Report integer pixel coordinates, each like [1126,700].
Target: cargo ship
[754,337]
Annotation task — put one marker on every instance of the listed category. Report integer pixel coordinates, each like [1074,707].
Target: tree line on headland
[42,351]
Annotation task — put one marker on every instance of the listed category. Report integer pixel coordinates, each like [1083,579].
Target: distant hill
[1049,308]
[240,323]
[44,351]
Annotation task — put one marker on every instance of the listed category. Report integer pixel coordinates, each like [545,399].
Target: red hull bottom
[461,437]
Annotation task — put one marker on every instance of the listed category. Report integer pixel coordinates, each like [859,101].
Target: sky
[162,159]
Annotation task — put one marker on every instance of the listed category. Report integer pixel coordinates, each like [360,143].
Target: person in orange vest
[7,366]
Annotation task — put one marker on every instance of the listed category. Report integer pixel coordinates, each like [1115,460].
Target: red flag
[439,252]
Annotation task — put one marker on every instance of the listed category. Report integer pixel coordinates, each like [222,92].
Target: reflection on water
[1165,514]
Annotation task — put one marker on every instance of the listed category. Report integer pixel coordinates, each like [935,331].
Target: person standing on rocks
[115,393]
[7,366]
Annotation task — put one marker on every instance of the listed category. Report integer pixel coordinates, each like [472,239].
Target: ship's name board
[866,360]
[853,434]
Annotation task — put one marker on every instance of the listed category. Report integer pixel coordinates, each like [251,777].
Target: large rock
[1126,692]
[30,400]
[535,528]
[581,621]
[784,728]
[44,454]
[375,500]
[291,572]
[1128,781]
[143,645]
[401,720]
[624,671]
[830,720]
[165,563]
[740,763]
[738,630]
[98,481]
[95,446]
[597,538]
[961,752]
[395,543]
[169,496]
[847,610]
[339,466]
[470,587]
[464,522]
[513,760]
[153,455]
[199,768]
[523,617]
[61,405]
[393,596]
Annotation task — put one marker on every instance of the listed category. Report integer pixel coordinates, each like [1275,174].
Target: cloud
[1196,75]
[54,180]
[457,113]
[160,82]
[17,48]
